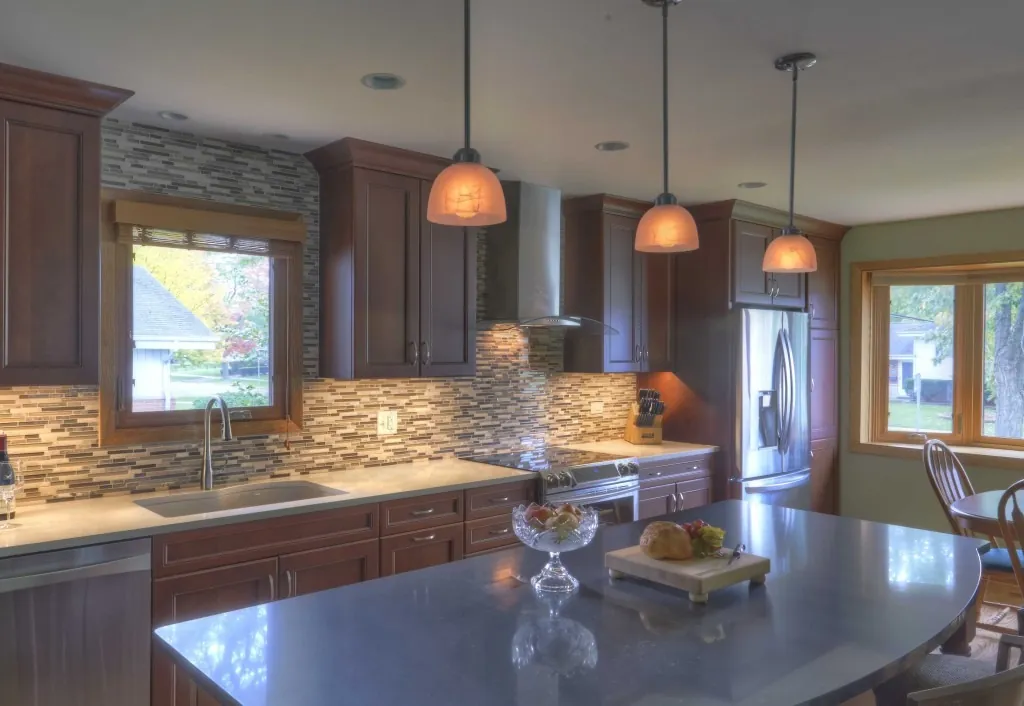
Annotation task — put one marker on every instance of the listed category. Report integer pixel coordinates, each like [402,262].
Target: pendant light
[791,251]
[466,193]
[667,227]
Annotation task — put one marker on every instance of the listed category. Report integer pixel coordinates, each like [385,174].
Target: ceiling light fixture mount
[667,227]
[171,115]
[466,193]
[791,251]
[382,81]
[752,184]
[611,146]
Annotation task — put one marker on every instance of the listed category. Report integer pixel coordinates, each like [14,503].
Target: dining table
[847,604]
[979,513]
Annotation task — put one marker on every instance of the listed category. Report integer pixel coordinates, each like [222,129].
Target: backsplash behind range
[519,397]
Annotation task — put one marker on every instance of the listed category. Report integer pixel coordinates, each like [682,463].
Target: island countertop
[848,603]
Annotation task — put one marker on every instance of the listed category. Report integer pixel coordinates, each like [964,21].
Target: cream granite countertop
[50,526]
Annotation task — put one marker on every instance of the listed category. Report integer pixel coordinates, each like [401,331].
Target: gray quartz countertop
[49,526]
[847,604]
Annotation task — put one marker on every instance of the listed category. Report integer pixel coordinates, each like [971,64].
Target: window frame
[286,233]
[869,348]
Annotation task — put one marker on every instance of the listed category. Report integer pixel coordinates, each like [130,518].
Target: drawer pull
[498,532]
[424,539]
[500,500]
[658,473]
[421,513]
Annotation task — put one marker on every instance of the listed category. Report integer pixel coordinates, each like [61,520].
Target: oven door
[614,506]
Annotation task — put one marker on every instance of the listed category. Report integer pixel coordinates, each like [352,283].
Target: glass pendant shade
[791,252]
[466,194]
[666,228]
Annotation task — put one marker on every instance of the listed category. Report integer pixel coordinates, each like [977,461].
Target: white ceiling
[915,109]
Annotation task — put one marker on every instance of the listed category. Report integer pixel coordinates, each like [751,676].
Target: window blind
[1002,272]
[139,235]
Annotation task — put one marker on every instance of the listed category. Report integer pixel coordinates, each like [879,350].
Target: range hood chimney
[523,268]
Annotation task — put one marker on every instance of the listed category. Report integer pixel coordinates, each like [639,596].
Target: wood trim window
[144,397]
[937,351]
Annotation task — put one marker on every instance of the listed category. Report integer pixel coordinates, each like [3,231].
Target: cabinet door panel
[49,257]
[694,493]
[823,285]
[750,285]
[322,569]
[387,238]
[447,297]
[488,533]
[824,476]
[418,550]
[657,501]
[658,312]
[623,295]
[824,363]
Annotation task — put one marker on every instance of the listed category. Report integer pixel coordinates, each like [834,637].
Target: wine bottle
[7,477]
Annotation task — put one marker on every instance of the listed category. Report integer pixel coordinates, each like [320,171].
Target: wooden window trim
[118,427]
[868,391]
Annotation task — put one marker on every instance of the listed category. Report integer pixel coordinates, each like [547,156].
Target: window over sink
[206,301]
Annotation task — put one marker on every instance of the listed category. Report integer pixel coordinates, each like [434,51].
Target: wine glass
[10,483]
[556,540]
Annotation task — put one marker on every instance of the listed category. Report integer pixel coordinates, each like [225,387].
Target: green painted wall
[895,490]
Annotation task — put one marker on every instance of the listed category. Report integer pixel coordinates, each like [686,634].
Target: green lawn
[934,417]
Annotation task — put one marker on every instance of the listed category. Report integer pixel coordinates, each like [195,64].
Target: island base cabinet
[323,569]
[674,497]
[418,550]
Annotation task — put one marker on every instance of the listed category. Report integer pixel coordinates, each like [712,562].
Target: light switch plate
[597,407]
[387,422]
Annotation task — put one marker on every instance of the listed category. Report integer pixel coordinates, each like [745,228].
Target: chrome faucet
[225,416]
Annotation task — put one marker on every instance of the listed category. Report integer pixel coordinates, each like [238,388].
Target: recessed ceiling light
[171,115]
[612,146]
[382,82]
[276,136]
[752,184]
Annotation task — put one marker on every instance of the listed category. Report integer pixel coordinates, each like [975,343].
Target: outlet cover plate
[387,422]
[597,407]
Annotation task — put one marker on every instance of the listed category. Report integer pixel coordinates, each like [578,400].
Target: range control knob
[634,468]
[550,480]
[565,479]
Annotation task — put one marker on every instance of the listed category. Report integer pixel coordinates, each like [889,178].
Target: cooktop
[548,458]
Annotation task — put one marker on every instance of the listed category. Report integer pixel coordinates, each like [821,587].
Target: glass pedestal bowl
[555,541]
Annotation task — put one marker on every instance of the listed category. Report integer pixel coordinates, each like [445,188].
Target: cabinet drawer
[194,550]
[499,499]
[418,550]
[657,471]
[410,514]
[488,533]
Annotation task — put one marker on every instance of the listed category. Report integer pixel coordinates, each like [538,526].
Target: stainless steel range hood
[523,267]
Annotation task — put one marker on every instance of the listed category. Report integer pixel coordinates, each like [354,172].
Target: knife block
[642,436]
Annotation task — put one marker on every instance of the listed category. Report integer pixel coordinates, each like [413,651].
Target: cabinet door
[824,476]
[198,595]
[658,312]
[387,283]
[322,569]
[790,290]
[824,364]
[750,285]
[418,550]
[623,295]
[693,493]
[823,285]
[447,297]
[49,250]
[657,501]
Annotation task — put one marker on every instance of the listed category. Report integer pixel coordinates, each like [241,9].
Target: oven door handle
[597,497]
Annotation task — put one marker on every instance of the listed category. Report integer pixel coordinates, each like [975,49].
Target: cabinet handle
[499,500]
[499,532]
[673,506]
[637,357]
[425,346]
[421,513]
[273,593]
[812,454]
[423,539]
[289,578]
[415,353]
[658,473]
[812,384]
[812,311]
[682,501]
[647,354]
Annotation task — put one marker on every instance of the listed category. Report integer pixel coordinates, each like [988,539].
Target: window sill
[194,432]
[970,455]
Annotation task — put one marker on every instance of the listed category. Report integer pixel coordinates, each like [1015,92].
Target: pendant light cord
[792,148]
[664,95]
[465,63]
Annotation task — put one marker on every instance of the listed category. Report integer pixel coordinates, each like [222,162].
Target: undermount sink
[236,498]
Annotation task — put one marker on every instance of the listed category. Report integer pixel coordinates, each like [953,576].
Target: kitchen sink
[252,495]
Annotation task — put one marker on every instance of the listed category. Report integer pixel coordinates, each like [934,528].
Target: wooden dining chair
[1004,688]
[1000,586]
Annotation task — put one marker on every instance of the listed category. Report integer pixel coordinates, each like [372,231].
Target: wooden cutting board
[699,577]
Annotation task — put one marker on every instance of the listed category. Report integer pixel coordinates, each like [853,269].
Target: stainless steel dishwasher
[75,626]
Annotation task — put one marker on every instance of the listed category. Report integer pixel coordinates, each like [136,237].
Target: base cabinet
[323,569]
[418,550]
[673,485]
[824,476]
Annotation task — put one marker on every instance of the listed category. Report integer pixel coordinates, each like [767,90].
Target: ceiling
[910,112]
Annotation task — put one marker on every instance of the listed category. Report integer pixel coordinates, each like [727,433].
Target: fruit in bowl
[554,529]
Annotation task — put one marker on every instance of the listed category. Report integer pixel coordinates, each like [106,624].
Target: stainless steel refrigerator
[773,439]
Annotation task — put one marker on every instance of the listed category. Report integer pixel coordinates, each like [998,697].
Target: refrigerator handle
[791,386]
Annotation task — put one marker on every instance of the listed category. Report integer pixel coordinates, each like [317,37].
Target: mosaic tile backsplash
[519,395]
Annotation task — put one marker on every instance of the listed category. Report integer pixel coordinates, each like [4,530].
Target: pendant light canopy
[791,251]
[466,193]
[667,227]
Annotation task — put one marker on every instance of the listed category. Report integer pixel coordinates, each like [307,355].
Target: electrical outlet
[597,407]
[387,422]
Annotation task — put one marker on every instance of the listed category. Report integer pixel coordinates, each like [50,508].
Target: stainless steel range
[609,484]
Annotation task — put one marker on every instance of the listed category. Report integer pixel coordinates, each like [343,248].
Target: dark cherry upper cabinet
[397,293]
[607,280]
[50,214]
[751,285]
[823,285]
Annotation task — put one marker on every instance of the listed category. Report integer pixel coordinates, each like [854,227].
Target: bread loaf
[666,540]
